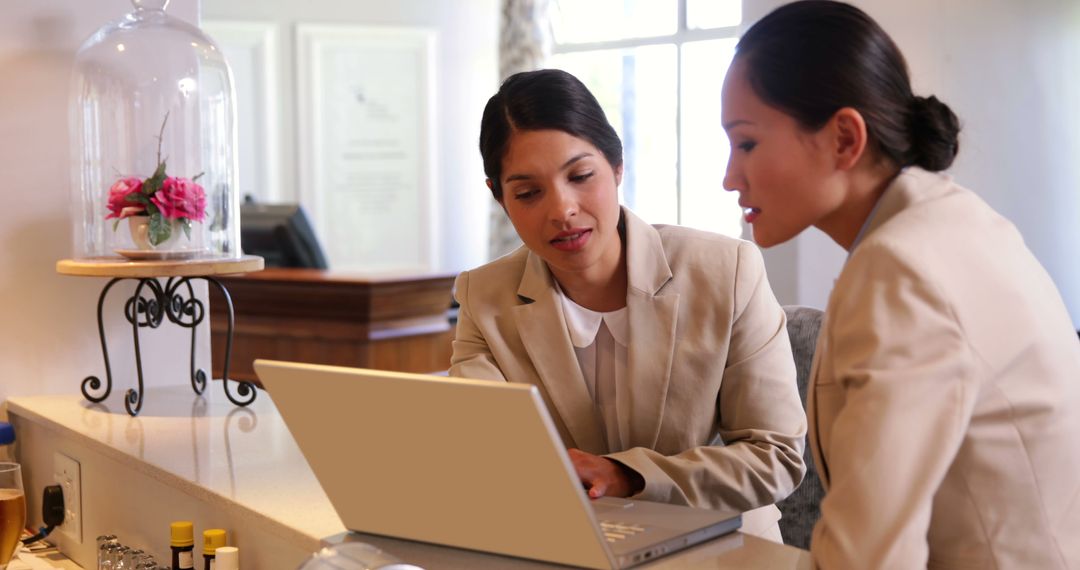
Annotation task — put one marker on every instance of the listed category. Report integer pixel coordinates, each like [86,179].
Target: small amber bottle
[182,543]
[212,540]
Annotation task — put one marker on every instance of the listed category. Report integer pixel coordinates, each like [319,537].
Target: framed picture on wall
[366,99]
[251,48]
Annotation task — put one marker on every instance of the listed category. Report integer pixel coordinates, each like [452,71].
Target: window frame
[683,34]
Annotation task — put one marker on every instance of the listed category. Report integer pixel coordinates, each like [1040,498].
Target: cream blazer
[709,362]
[945,395]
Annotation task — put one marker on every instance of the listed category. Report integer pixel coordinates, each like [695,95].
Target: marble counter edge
[166,477]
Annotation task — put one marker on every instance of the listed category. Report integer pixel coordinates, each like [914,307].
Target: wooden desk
[390,322]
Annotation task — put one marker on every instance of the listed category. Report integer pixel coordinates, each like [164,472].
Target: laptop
[465,463]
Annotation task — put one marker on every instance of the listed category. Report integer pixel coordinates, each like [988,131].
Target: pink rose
[180,198]
[119,206]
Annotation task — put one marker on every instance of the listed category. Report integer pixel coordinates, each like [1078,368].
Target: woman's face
[784,175]
[561,194]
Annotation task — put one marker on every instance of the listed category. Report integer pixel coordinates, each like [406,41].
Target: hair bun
[934,134]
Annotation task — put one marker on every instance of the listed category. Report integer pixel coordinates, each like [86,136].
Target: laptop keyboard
[616,531]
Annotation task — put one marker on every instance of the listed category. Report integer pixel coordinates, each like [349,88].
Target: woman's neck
[865,187]
[601,289]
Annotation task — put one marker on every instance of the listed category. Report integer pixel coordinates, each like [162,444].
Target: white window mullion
[678,112]
[678,37]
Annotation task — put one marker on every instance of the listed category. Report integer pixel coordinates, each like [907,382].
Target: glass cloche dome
[153,134]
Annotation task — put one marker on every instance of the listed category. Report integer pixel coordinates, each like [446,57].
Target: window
[656,67]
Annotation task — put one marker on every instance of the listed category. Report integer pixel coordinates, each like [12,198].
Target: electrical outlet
[67,473]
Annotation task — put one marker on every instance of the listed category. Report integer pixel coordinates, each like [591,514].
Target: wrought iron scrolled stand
[149,306]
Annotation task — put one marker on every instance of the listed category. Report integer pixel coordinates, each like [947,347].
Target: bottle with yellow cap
[212,540]
[182,543]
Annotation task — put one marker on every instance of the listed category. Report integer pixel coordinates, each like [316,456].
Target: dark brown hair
[539,100]
[811,58]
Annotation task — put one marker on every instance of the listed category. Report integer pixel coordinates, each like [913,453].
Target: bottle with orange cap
[182,543]
[212,540]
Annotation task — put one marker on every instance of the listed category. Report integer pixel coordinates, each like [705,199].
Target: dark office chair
[801,509]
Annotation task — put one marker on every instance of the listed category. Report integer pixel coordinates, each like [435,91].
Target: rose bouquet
[161,197]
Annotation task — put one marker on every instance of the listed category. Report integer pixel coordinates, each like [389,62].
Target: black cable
[52,512]
[42,533]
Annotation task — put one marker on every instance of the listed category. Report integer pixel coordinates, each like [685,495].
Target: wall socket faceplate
[67,473]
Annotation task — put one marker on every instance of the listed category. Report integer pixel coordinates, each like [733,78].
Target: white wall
[466,75]
[1009,71]
[1006,67]
[48,335]
[48,326]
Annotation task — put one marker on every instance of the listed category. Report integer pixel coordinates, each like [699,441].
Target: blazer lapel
[811,404]
[652,321]
[542,328]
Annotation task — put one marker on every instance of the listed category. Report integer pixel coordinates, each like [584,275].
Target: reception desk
[200,458]
[389,322]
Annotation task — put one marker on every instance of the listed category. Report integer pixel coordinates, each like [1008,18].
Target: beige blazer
[945,396]
[709,361]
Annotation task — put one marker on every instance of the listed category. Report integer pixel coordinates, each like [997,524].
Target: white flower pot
[140,234]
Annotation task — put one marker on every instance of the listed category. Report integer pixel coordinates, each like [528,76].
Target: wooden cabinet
[326,317]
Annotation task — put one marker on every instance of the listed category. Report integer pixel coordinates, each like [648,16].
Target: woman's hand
[605,477]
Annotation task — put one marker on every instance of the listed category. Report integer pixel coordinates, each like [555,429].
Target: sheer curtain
[524,45]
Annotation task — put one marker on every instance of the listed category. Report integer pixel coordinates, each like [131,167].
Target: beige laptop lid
[380,444]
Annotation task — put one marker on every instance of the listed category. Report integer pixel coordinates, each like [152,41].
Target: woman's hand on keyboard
[603,477]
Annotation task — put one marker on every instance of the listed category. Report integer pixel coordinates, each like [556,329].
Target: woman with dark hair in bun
[660,351]
[944,405]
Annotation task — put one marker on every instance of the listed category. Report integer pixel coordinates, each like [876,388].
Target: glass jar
[153,134]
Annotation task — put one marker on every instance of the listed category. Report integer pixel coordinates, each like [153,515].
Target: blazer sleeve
[760,417]
[896,407]
[471,356]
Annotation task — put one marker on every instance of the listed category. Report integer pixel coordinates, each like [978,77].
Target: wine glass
[12,511]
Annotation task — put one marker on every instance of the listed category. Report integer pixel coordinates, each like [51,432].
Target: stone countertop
[244,459]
